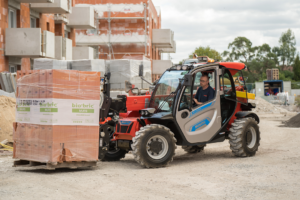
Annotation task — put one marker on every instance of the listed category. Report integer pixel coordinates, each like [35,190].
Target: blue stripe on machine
[125,122]
[201,108]
[206,121]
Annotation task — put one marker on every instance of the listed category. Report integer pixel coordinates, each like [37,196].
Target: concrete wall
[69,49]
[295,92]
[28,42]
[58,47]
[287,86]
[259,89]
[80,53]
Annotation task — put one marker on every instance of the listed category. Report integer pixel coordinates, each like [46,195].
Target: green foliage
[241,50]
[296,69]
[207,51]
[288,49]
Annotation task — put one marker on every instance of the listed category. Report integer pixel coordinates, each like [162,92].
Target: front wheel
[154,146]
[244,137]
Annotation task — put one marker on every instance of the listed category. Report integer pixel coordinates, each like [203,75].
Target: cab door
[200,123]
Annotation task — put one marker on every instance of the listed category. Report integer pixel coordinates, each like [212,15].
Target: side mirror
[141,70]
[188,80]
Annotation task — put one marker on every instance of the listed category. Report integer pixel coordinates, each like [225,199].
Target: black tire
[114,155]
[151,139]
[193,149]
[244,137]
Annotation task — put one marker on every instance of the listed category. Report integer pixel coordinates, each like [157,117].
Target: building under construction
[82,29]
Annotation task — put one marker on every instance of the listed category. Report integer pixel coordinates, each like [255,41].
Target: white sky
[216,23]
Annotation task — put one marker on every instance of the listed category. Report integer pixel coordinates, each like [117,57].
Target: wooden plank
[53,166]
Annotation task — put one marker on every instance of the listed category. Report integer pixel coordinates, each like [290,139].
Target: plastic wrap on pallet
[97,65]
[128,70]
[7,94]
[57,115]
[44,63]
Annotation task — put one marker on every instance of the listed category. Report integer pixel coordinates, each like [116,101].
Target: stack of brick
[45,132]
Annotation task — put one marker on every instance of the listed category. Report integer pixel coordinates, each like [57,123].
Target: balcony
[162,38]
[92,37]
[35,1]
[63,48]
[57,7]
[80,53]
[160,66]
[169,50]
[29,42]
[61,18]
[82,18]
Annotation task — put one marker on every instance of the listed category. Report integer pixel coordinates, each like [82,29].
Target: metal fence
[281,99]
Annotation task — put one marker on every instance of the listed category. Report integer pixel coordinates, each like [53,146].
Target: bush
[297,100]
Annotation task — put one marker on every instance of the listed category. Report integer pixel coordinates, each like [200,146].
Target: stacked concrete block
[96,65]
[128,70]
[44,63]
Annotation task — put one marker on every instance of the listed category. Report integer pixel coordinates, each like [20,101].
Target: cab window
[204,79]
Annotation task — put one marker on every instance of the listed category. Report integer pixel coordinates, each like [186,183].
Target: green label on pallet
[82,110]
[26,109]
[48,109]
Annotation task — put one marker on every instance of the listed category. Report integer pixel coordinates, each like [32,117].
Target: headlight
[178,67]
[142,112]
[184,67]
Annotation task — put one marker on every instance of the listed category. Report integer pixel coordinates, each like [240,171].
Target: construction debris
[263,106]
[293,122]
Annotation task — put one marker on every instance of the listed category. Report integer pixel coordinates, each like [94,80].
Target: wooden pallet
[56,165]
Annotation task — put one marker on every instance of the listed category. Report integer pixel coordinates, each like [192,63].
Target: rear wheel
[244,137]
[193,149]
[154,146]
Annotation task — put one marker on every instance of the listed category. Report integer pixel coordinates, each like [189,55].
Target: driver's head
[204,80]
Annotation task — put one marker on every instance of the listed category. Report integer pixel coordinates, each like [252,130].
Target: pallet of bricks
[273,74]
[57,118]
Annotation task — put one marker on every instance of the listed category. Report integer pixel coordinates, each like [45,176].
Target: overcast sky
[216,23]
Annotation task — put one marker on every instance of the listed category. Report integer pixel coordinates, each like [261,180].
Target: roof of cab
[233,65]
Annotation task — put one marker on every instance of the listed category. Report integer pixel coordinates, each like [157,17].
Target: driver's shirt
[205,95]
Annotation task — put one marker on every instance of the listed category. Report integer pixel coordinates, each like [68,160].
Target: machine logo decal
[201,108]
[200,124]
[125,122]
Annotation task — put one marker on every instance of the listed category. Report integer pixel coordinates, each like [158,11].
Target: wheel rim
[251,137]
[157,147]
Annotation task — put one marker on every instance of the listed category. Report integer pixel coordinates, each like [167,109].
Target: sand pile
[293,122]
[7,117]
[263,106]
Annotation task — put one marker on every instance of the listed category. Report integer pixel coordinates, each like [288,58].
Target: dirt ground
[274,173]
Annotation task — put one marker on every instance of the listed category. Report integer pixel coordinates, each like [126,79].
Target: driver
[205,92]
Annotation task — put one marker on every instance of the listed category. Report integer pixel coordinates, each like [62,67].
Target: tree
[288,50]
[207,51]
[241,49]
[296,69]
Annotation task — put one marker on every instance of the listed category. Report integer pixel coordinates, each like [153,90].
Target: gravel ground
[213,174]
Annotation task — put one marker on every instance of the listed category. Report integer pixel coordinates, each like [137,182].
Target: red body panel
[127,133]
[137,102]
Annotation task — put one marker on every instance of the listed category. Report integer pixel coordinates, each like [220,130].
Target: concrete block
[80,53]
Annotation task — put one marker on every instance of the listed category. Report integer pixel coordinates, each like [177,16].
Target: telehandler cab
[151,126]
